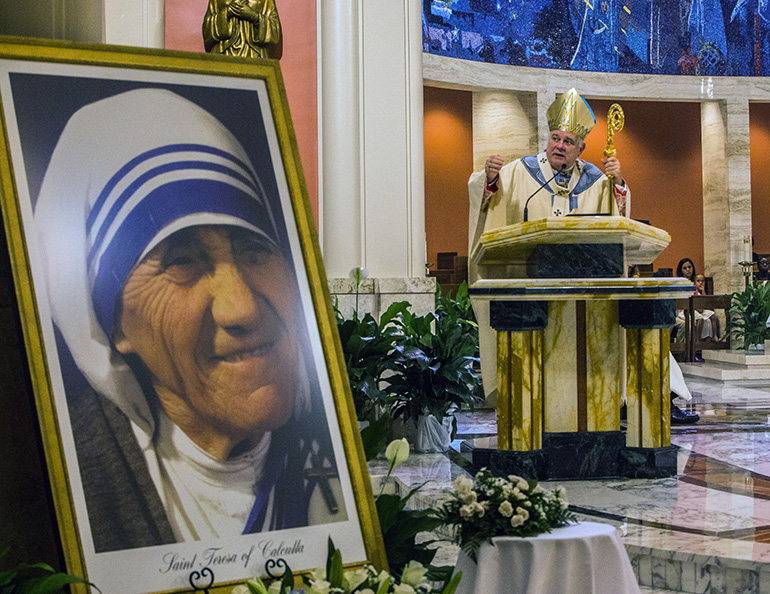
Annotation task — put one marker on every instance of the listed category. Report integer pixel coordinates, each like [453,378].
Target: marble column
[583,359]
[372,193]
[72,20]
[726,191]
[520,390]
[648,388]
[340,191]
[139,23]
[117,22]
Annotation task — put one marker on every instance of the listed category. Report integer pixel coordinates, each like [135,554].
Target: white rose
[505,509]
[470,497]
[463,485]
[319,587]
[523,485]
[414,573]
[516,521]
[466,511]
[319,573]
[352,579]
[523,513]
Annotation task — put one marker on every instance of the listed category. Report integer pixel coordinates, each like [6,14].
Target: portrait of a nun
[193,401]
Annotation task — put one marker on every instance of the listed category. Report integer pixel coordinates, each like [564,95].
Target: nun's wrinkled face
[212,313]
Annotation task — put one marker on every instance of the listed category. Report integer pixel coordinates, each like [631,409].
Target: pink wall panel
[298,66]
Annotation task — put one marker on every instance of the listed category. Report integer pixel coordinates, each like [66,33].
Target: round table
[583,558]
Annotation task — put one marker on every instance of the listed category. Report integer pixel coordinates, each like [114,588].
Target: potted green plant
[35,578]
[368,348]
[433,373]
[749,311]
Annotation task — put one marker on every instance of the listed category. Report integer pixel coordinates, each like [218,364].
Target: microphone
[544,184]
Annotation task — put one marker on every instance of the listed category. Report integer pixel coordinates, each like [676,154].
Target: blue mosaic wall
[695,37]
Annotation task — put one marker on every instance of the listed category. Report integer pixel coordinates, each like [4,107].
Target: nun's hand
[241,10]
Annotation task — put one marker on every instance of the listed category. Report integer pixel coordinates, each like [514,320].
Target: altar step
[730,366]
[725,372]
[671,565]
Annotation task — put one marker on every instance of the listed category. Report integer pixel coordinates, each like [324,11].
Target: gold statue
[242,28]
[615,120]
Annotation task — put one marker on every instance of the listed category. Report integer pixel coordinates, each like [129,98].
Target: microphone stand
[544,184]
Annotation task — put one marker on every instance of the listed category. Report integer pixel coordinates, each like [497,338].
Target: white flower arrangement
[487,506]
[363,580]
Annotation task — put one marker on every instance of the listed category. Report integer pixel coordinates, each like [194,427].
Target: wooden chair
[680,345]
[714,303]
[451,270]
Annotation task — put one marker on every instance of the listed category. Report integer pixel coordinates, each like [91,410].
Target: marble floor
[706,530]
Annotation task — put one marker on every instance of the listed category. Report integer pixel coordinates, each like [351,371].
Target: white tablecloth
[585,558]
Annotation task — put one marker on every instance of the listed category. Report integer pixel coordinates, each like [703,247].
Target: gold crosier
[615,120]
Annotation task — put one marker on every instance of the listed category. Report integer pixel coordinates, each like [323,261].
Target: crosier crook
[615,120]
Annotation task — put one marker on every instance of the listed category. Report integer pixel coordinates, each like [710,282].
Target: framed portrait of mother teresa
[195,410]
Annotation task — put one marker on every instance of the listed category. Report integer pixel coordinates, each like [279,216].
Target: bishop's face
[212,312]
[563,149]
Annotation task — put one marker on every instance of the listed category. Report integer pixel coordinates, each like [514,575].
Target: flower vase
[432,435]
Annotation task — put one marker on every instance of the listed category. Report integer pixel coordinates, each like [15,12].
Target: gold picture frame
[55,99]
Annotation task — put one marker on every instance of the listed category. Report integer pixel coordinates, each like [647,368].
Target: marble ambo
[518,316]
[576,260]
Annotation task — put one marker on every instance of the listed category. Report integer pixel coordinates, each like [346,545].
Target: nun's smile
[212,311]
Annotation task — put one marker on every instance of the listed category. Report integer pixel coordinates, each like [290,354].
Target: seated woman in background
[685,269]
